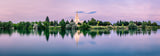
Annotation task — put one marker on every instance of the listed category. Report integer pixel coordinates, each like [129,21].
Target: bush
[132,25]
[84,26]
[144,25]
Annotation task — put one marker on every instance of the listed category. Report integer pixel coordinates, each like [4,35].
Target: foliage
[6,25]
[51,23]
[92,22]
[144,25]
[119,23]
[47,19]
[139,23]
[62,24]
[46,25]
[72,20]
[55,23]
[84,26]
[71,25]
[23,25]
[154,24]
[132,25]
[149,23]
[67,22]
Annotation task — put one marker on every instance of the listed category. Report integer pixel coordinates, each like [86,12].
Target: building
[76,20]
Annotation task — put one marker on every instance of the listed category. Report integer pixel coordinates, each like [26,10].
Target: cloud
[80,11]
[92,12]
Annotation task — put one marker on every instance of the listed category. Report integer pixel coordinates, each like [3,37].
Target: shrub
[132,25]
[84,26]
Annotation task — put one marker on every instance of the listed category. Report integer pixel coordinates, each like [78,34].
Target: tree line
[71,25]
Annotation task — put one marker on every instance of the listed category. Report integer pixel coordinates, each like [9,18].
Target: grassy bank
[121,27]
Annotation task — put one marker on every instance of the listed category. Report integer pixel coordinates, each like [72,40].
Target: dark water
[80,42]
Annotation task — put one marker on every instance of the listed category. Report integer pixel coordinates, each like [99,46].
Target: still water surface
[80,42]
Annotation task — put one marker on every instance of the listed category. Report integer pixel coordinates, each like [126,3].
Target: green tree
[126,23]
[55,23]
[106,23]
[92,22]
[72,20]
[27,25]
[62,24]
[144,25]
[149,23]
[84,26]
[51,23]
[139,23]
[40,26]
[132,25]
[67,22]
[47,19]
[154,24]
[46,25]
[85,21]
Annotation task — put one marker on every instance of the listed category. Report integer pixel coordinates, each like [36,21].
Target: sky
[105,10]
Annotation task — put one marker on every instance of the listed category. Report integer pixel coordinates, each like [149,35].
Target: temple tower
[76,18]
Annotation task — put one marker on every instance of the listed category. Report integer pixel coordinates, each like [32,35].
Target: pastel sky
[106,10]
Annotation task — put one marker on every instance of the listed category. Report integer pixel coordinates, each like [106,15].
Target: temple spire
[76,18]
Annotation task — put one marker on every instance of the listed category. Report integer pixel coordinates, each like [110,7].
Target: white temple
[77,19]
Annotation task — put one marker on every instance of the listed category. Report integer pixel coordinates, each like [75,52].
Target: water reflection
[135,32]
[77,33]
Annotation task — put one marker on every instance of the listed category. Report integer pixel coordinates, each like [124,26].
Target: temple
[77,19]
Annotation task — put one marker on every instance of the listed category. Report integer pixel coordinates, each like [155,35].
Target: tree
[85,21]
[106,23]
[100,23]
[55,23]
[84,26]
[154,24]
[144,25]
[72,20]
[27,25]
[47,19]
[51,23]
[62,24]
[79,23]
[40,26]
[149,23]
[139,23]
[45,25]
[67,22]
[1,24]
[132,25]
[126,23]
[92,22]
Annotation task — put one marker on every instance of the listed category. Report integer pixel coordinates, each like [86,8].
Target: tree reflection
[46,33]
[8,31]
[93,32]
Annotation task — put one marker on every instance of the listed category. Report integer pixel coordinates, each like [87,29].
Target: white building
[76,20]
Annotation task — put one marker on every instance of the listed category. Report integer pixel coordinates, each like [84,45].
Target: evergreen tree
[149,23]
[47,19]
[51,23]
[72,20]
[62,24]
[55,23]
[67,22]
